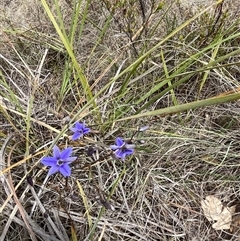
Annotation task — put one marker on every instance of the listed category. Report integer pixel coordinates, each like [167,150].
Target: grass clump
[118,66]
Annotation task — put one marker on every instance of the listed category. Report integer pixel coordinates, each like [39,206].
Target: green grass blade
[85,202]
[206,74]
[68,47]
[174,99]
[136,63]
[187,106]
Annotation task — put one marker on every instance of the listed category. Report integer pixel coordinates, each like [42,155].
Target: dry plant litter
[161,75]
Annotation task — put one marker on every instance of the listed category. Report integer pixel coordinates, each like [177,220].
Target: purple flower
[79,130]
[121,149]
[60,161]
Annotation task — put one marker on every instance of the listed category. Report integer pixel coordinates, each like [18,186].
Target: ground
[119,66]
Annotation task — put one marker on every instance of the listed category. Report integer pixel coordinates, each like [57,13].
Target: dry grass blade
[3,165]
[20,162]
[36,228]
[4,181]
[8,189]
[102,233]
[119,66]
[19,205]
[85,201]
[12,217]
[61,235]
[73,234]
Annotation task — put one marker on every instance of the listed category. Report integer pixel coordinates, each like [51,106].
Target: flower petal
[70,159]
[79,125]
[65,170]
[73,129]
[119,142]
[119,154]
[123,156]
[53,170]
[79,130]
[56,152]
[76,135]
[129,146]
[114,147]
[66,153]
[86,130]
[49,161]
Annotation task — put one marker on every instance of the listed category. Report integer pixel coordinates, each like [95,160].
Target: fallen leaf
[215,211]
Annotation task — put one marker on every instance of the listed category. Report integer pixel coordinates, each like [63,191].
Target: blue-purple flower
[122,149]
[79,130]
[60,161]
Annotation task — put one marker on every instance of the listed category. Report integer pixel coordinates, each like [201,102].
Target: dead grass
[181,159]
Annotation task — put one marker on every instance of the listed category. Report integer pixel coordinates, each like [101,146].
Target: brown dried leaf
[214,211]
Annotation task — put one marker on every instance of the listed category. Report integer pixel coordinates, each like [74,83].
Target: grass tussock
[119,66]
